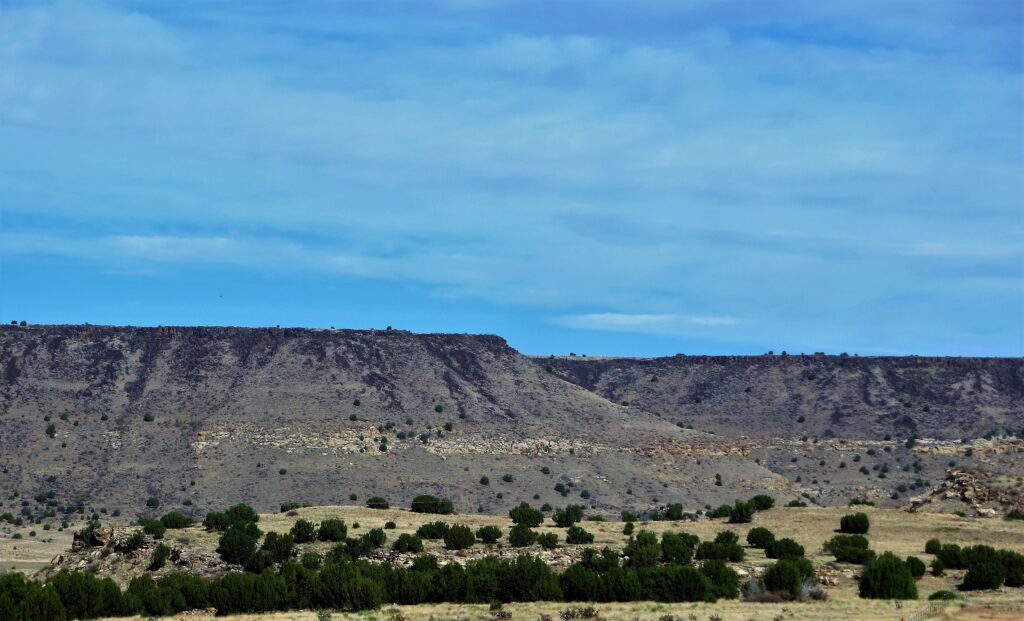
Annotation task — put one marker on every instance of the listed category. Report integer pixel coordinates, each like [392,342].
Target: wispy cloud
[670,324]
[809,167]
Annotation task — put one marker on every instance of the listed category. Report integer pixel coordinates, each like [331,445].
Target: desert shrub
[154,528]
[432,504]
[938,567]
[160,555]
[984,575]
[375,537]
[242,513]
[943,596]
[389,525]
[854,523]
[952,556]
[1015,515]
[278,546]
[407,543]
[549,541]
[783,548]
[488,534]
[134,542]
[576,535]
[303,531]
[932,546]
[332,529]
[432,530]
[290,506]
[216,520]
[176,520]
[526,515]
[796,504]
[643,550]
[784,577]
[568,516]
[916,566]
[377,502]
[677,547]
[723,551]
[238,543]
[762,502]
[312,560]
[724,581]
[722,511]
[459,537]
[742,512]
[1014,564]
[485,480]
[627,529]
[521,535]
[759,537]
[887,577]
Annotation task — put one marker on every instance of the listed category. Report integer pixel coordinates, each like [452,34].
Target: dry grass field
[891,530]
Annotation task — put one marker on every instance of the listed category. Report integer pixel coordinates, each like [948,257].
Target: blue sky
[633,178]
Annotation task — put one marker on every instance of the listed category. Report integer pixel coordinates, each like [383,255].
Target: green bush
[389,525]
[160,555]
[1014,565]
[723,511]
[643,550]
[303,531]
[799,504]
[242,513]
[783,548]
[432,530]
[278,546]
[678,547]
[932,546]
[488,534]
[238,543]
[576,535]
[943,596]
[724,581]
[154,528]
[564,518]
[762,502]
[916,566]
[432,504]
[854,523]
[521,535]
[312,560]
[627,529]
[176,520]
[289,506]
[407,543]
[742,512]
[548,541]
[332,529]
[984,575]
[887,577]
[784,577]
[459,537]
[938,567]
[377,502]
[526,515]
[759,537]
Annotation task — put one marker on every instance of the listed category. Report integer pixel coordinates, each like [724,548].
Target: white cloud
[667,324]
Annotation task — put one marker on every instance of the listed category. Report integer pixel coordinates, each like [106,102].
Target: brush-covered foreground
[897,531]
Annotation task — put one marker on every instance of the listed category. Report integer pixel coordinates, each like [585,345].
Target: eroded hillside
[105,417]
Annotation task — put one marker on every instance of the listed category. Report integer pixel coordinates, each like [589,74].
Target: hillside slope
[837,396]
[200,418]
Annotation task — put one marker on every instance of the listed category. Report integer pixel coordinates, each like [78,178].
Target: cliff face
[109,417]
[837,396]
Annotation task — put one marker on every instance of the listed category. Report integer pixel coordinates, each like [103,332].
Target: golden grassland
[891,530]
